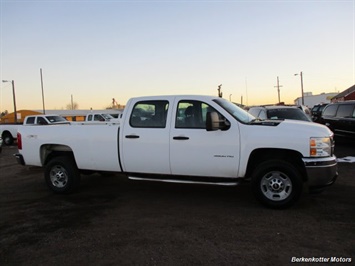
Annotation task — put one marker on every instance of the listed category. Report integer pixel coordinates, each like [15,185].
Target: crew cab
[188,139]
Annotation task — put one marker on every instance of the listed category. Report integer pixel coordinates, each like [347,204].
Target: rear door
[145,137]
[194,151]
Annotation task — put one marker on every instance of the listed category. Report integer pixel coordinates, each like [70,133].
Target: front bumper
[321,172]
[19,158]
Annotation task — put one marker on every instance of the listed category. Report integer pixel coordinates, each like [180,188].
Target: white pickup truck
[8,132]
[101,117]
[44,120]
[188,139]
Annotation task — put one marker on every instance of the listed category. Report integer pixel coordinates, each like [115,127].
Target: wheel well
[6,133]
[291,156]
[50,151]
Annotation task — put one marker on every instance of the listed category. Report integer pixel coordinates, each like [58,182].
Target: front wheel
[277,183]
[62,175]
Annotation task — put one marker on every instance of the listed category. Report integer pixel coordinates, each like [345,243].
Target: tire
[62,175]
[277,184]
[8,139]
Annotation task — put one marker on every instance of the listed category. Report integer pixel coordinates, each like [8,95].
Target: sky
[94,51]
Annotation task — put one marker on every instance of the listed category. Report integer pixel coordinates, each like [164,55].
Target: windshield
[107,116]
[56,118]
[234,110]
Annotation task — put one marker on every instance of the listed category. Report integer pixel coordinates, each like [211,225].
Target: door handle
[181,138]
[132,137]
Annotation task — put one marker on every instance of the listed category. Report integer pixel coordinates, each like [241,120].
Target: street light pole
[44,109]
[301,74]
[14,97]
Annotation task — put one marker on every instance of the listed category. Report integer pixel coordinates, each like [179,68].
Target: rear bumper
[321,172]
[19,158]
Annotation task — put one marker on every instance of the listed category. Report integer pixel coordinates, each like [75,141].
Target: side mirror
[213,122]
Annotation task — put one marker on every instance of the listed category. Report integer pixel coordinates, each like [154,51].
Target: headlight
[320,147]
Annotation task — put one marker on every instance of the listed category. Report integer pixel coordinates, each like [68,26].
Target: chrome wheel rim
[276,186]
[58,176]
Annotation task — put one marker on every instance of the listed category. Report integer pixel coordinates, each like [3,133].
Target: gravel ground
[114,221]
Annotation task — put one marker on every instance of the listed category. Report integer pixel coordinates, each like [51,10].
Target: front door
[197,152]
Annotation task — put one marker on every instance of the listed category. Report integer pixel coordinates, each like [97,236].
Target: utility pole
[278,88]
[302,87]
[14,98]
[13,93]
[44,109]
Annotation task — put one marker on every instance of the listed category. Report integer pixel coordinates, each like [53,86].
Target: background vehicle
[0,144]
[44,120]
[340,118]
[278,112]
[187,139]
[8,132]
[306,110]
[317,112]
[100,117]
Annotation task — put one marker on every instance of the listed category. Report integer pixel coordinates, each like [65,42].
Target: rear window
[288,113]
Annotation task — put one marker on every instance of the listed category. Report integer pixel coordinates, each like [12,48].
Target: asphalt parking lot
[114,221]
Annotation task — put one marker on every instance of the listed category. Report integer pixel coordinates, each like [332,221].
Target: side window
[149,114]
[315,108]
[345,110]
[192,114]
[98,118]
[89,117]
[30,120]
[41,121]
[330,110]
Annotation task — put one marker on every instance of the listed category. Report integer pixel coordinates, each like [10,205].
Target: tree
[3,113]
[72,106]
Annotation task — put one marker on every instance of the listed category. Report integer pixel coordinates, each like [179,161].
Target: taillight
[19,141]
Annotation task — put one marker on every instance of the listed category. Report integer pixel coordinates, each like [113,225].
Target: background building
[311,100]
[347,95]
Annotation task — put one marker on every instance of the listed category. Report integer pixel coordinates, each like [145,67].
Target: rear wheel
[277,183]
[8,139]
[62,175]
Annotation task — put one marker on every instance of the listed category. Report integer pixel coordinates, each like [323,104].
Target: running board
[219,183]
